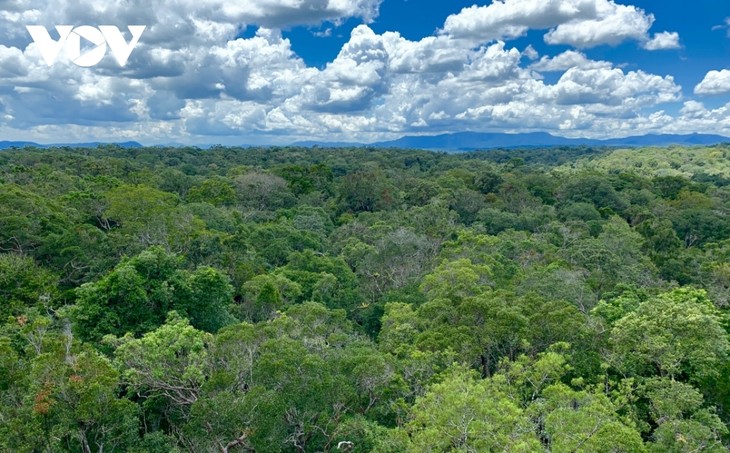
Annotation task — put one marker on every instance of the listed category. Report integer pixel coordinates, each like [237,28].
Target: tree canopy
[291,299]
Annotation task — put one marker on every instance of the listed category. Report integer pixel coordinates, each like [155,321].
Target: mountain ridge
[6,144]
[459,141]
[468,141]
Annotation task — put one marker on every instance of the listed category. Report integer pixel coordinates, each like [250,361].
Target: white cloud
[380,85]
[612,87]
[268,13]
[692,108]
[695,117]
[291,12]
[580,23]
[724,26]
[353,79]
[530,52]
[191,80]
[430,55]
[715,82]
[662,41]
[612,24]
[566,60]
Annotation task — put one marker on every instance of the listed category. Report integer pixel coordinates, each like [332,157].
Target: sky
[282,71]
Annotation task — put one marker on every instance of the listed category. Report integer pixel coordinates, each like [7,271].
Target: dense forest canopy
[358,299]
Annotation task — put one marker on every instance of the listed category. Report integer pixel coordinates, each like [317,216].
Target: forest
[292,299]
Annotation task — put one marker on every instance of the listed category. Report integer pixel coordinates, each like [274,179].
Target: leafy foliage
[321,300]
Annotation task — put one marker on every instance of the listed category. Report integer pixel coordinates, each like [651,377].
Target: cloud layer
[715,82]
[579,23]
[192,79]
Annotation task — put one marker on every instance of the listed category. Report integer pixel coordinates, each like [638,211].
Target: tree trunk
[84,442]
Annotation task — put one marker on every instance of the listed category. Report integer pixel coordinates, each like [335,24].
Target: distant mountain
[321,144]
[667,139]
[465,141]
[477,140]
[459,141]
[9,144]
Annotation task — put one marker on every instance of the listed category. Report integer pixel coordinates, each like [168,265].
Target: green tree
[264,294]
[217,191]
[456,280]
[682,424]
[59,395]
[586,422]
[136,296]
[678,335]
[169,362]
[463,413]
[26,219]
[263,191]
[24,284]
[366,191]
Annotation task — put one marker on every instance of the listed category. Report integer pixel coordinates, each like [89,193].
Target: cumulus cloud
[612,87]
[662,41]
[567,60]
[579,23]
[692,108]
[530,52]
[715,82]
[694,116]
[192,77]
[612,25]
[353,79]
[267,13]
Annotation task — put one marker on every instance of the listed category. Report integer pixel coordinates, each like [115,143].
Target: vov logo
[70,39]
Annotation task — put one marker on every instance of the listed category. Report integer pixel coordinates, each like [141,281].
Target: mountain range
[16,144]
[465,141]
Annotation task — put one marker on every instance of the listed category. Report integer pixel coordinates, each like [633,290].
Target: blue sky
[280,71]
